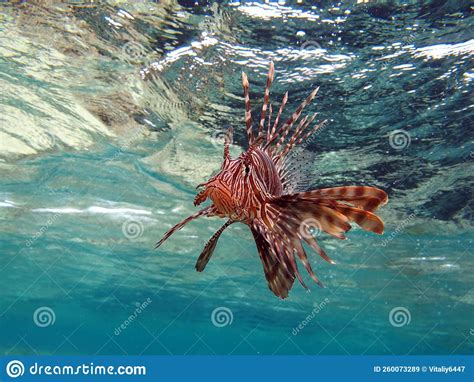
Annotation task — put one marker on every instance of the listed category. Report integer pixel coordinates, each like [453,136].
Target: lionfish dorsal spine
[227,141]
[290,143]
[285,129]
[266,98]
[248,108]
[269,121]
[277,119]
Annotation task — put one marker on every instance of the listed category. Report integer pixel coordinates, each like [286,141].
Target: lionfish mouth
[210,191]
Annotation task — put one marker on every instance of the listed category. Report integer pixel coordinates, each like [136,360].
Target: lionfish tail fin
[204,212]
[208,250]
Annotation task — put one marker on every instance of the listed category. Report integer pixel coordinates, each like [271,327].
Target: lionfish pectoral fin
[208,250]
[208,211]
[329,210]
[279,279]
[352,203]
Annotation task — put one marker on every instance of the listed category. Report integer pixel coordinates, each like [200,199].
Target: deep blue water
[112,113]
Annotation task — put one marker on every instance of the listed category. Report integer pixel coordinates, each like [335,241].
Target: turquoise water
[102,144]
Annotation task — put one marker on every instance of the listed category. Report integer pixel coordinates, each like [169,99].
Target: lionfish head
[240,180]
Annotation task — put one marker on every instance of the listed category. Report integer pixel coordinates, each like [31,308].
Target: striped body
[253,189]
[240,189]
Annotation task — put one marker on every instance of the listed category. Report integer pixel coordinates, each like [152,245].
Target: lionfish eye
[247,169]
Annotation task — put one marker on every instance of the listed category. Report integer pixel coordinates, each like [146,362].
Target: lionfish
[255,189]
